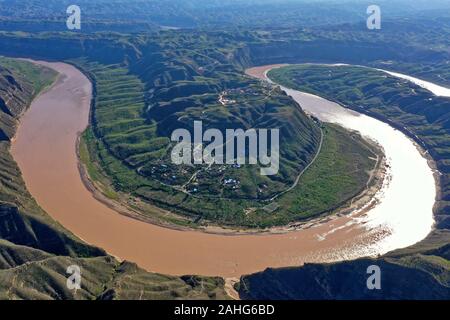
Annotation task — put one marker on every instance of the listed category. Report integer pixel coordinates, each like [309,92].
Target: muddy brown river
[45,150]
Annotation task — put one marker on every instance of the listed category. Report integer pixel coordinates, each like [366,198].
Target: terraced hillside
[35,251]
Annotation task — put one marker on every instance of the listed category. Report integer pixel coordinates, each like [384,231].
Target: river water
[45,150]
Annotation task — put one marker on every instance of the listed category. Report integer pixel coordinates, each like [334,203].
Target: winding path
[297,180]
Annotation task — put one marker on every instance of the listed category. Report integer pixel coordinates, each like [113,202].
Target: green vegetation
[18,85]
[340,173]
[39,77]
[44,277]
[35,251]
[92,167]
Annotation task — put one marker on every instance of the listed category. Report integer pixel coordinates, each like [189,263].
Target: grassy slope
[35,250]
[421,271]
